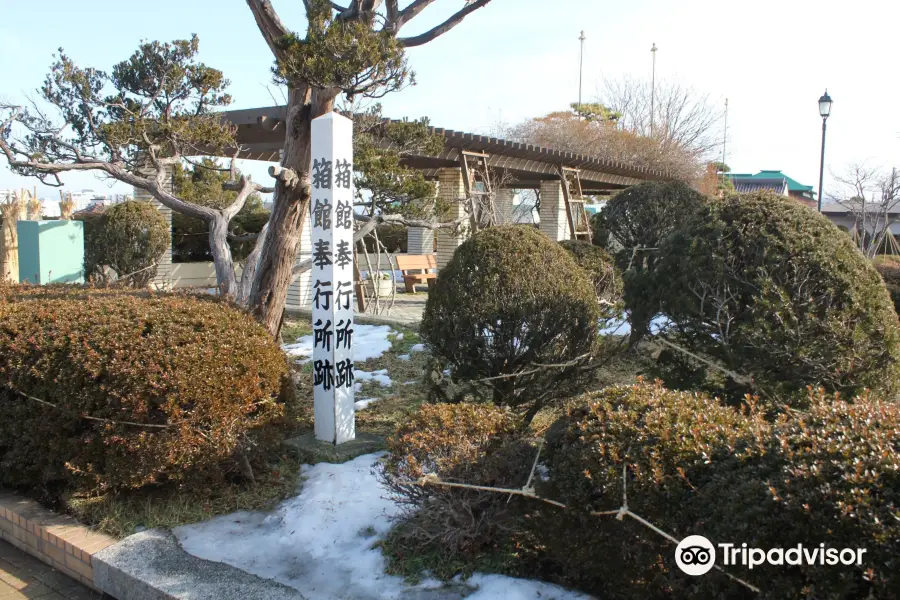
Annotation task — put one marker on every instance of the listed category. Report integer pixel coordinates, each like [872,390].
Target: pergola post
[503,203]
[554,220]
[165,270]
[452,191]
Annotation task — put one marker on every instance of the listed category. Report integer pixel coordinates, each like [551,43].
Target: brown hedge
[462,443]
[184,387]
[829,474]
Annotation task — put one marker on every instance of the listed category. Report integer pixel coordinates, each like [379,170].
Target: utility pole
[581,38]
[653,89]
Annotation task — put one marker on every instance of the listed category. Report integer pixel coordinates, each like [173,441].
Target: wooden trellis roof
[260,133]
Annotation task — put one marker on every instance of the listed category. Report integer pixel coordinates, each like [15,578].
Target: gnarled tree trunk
[291,206]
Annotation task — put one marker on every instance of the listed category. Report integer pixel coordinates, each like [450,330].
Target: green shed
[51,251]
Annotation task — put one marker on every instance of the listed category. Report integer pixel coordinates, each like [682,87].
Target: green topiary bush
[889,269]
[508,302]
[177,388]
[128,238]
[632,227]
[773,291]
[600,268]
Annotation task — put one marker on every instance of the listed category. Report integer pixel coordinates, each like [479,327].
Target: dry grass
[120,515]
[392,403]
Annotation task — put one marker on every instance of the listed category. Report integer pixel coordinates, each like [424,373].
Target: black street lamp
[824,111]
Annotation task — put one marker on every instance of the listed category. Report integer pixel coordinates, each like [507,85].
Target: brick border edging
[56,540]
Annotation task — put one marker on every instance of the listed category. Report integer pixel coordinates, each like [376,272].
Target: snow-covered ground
[320,542]
[369,341]
[380,376]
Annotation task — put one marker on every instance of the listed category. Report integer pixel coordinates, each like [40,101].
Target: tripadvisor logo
[696,555]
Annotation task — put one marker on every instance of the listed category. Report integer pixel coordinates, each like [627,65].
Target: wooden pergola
[260,133]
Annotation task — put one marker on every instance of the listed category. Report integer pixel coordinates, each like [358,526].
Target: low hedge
[693,466]
[828,475]
[670,444]
[462,443]
[102,390]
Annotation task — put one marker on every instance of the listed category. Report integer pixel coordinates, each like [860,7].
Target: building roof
[793,184]
[755,184]
[260,133]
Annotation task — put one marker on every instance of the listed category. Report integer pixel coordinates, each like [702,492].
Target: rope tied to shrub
[529,492]
[89,417]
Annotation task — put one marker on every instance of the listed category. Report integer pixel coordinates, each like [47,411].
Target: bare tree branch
[444,27]
[410,12]
[269,24]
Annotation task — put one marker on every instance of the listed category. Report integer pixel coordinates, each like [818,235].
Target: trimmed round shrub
[774,291]
[632,227]
[104,391]
[828,475]
[510,301]
[889,269]
[460,443]
[129,238]
[670,443]
[600,268]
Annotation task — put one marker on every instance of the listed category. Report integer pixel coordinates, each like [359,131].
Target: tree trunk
[221,253]
[269,292]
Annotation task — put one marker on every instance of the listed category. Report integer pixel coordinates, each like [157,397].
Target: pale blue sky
[516,59]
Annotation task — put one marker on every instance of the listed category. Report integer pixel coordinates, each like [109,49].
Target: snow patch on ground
[418,348]
[403,357]
[320,542]
[363,404]
[380,376]
[369,341]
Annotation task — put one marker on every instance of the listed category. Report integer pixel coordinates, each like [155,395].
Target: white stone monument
[331,208]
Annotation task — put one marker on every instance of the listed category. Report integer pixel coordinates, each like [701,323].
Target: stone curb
[152,565]
[57,540]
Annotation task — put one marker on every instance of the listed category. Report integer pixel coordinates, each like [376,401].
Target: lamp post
[824,111]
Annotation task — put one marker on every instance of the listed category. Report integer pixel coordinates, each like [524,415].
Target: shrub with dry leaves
[103,390]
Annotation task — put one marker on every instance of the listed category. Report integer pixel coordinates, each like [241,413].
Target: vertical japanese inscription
[331,179]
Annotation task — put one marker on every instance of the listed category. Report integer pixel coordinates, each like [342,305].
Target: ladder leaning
[579,226]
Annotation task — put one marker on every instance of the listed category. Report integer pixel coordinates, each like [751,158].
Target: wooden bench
[423,262]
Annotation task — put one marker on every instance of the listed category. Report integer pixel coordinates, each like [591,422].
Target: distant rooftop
[769,176]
